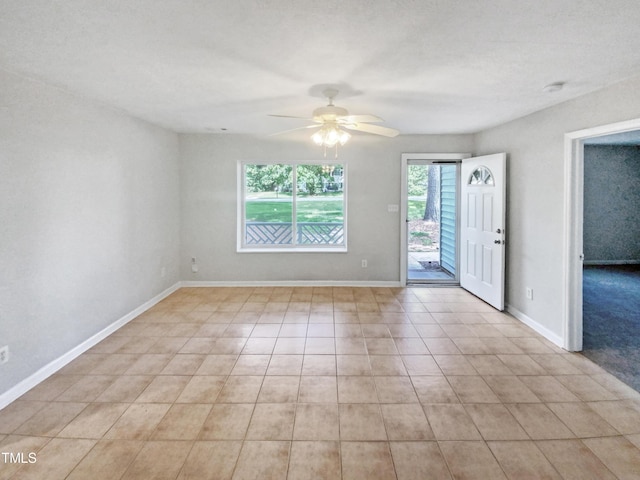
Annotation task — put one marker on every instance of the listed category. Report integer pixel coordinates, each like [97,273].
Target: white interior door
[482,227]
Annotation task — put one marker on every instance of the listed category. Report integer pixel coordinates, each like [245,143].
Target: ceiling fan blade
[294,130]
[359,118]
[292,116]
[375,129]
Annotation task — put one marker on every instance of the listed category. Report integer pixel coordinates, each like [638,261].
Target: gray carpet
[611,320]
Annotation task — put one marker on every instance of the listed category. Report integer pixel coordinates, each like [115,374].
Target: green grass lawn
[313,209]
[308,210]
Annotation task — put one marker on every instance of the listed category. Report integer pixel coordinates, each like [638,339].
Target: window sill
[292,250]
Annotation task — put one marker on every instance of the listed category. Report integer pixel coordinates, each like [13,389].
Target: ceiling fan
[333,122]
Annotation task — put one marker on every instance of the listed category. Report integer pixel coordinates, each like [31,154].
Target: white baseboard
[290,283]
[45,372]
[611,262]
[542,330]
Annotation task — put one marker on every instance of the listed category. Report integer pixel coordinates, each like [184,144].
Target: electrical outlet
[364,264]
[4,354]
[530,293]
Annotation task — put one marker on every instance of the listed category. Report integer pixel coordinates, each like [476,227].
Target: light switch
[392,208]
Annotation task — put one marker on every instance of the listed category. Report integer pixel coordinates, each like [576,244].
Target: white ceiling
[425,66]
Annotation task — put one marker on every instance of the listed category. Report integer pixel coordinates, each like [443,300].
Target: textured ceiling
[425,66]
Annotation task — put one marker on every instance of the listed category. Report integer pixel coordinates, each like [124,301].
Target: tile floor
[306,383]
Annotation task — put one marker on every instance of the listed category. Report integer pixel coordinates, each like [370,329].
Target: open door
[430,209]
[482,227]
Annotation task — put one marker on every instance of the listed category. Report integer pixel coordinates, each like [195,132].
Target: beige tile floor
[306,383]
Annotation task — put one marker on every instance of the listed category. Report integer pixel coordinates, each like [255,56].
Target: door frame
[573,254]
[405,158]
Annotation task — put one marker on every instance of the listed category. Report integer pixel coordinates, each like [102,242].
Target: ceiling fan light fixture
[333,124]
[330,136]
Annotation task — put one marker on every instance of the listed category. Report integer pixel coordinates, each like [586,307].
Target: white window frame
[242,247]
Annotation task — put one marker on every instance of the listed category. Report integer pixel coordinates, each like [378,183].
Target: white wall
[89,214]
[209,194]
[535,145]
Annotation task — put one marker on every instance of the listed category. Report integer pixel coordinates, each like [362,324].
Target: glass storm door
[431,221]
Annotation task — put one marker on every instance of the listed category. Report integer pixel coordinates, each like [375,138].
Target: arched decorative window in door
[481,176]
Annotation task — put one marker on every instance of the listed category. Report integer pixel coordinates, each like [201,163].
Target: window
[291,206]
[481,176]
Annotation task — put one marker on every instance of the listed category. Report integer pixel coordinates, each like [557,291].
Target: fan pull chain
[325,151]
